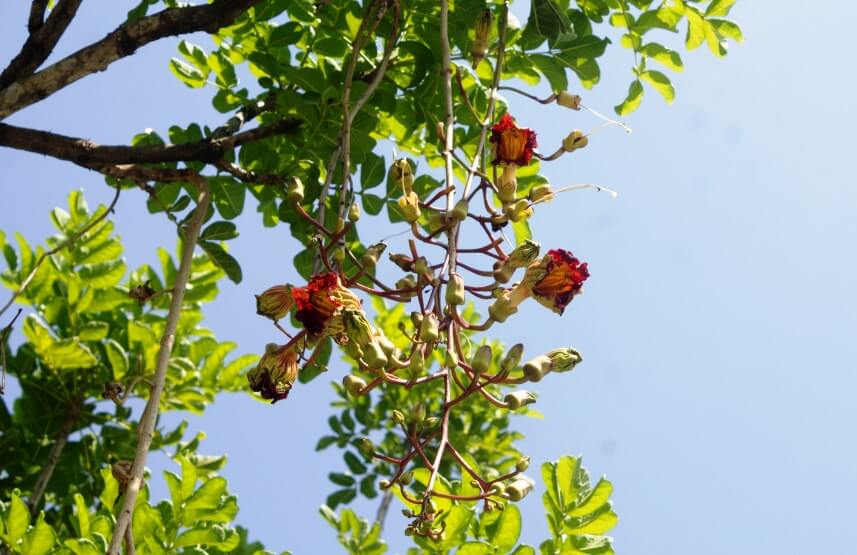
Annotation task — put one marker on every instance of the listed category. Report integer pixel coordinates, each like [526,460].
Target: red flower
[513,144]
[563,279]
[320,301]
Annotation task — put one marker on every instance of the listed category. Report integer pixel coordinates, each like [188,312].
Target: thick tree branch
[145,431]
[89,154]
[37,15]
[121,42]
[40,43]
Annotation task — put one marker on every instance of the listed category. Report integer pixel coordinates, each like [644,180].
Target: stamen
[605,118]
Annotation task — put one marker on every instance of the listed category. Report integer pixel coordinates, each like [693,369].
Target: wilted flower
[275,302]
[568,100]
[403,174]
[575,140]
[556,279]
[275,374]
[482,34]
[409,204]
[320,301]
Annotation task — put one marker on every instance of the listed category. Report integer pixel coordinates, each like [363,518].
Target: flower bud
[354,212]
[576,139]
[406,285]
[275,302]
[419,413]
[295,189]
[564,359]
[357,327]
[503,272]
[459,212]
[568,100]
[374,356]
[498,489]
[365,445]
[388,346]
[409,204]
[338,255]
[541,193]
[370,257]
[398,417]
[403,174]
[431,423]
[519,489]
[406,478]
[417,319]
[512,358]
[537,368]
[481,35]
[518,399]
[501,309]
[422,268]
[353,384]
[384,484]
[523,464]
[520,210]
[417,365]
[450,359]
[455,290]
[403,261]
[429,329]
[481,361]
[524,254]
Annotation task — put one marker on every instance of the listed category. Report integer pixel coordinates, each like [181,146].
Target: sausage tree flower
[275,374]
[513,147]
[319,304]
[275,302]
[553,281]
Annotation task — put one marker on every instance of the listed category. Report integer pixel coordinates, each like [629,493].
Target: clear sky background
[718,327]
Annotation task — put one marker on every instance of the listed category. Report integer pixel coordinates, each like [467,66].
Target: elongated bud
[503,272]
[403,261]
[403,174]
[374,356]
[524,254]
[406,478]
[440,130]
[568,100]
[406,285]
[422,268]
[366,446]
[575,140]
[370,257]
[455,290]
[431,423]
[537,368]
[450,359]
[275,302]
[417,365]
[409,205]
[354,212]
[417,319]
[388,346]
[398,417]
[523,464]
[430,328]
[519,489]
[419,412]
[541,193]
[512,358]
[353,384]
[482,33]
[459,212]
[357,328]
[518,399]
[481,361]
[295,189]
[564,359]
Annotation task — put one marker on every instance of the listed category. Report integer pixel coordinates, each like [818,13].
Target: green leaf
[457,519]
[188,476]
[18,519]
[727,29]
[40,539]
[82,515]
[117,357]
[201,536]
[547,19]
[331,46]
[507,529]
[373,204]
[663,55]
[111,489]
[94,331]
[187,74]
[341,479]
[219,231]
[522,231]
[475,548]
[68,354]
[553,69]
[524,550]
[719,8]
[325,442]
[223,260]
[696,28]
[372,171]
[354,463]
[228,196]
[104,275]
[633,100]
[661,83]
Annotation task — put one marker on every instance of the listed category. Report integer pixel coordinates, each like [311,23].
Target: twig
[4,335]
[54,456]
[147,420]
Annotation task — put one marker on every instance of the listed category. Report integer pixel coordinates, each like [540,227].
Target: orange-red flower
[512,144]
[320,301]
[557,278]
[275,374]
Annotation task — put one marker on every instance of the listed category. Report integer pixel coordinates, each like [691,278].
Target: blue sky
[718,327]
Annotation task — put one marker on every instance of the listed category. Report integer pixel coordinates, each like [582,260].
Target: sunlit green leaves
[633,100]
[660,83]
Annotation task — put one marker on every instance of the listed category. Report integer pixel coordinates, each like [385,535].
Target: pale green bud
[568,100]
[523,464]
[430,328]
[295,189]
[512,358]
[354,212]
[481,361]
[455,290]
[518,399]
[575,140]
[564,359]
[537,368]
[353,384]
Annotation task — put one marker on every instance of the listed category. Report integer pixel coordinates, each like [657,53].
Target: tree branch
[89,154]
[40,43]
[121,42]
[146,427]
[37,15]
[54,456]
